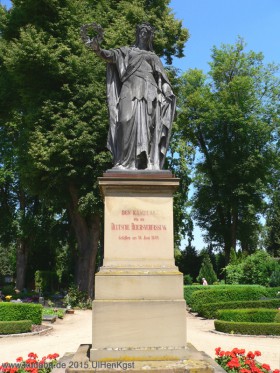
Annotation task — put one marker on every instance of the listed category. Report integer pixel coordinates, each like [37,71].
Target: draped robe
[140,114]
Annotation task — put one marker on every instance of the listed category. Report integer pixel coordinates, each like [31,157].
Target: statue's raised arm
[95,41]
[140,100]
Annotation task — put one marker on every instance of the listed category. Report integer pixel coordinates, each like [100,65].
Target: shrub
[189,289]
[14,327]
[275,278]
[21,311]
[259,315]
[59,312]
[8,289]
[46,281]
[188,280]
[226,294]
[273,292]
[209,310]
[77,298]
[250,328]
[256,268]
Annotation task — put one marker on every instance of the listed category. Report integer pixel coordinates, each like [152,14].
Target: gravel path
[74,330]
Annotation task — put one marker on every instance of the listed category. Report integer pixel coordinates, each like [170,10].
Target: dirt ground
[74,330]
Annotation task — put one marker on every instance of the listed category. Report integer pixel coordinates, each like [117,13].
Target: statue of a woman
[141,103]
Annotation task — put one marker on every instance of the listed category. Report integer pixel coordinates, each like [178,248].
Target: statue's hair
[151,32]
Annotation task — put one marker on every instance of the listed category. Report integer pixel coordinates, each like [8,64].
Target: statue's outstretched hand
[93,43]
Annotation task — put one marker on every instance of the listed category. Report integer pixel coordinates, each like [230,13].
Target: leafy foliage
[54,119]
[231,116]
[254,269]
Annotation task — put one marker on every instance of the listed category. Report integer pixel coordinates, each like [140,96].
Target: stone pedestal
[139,311]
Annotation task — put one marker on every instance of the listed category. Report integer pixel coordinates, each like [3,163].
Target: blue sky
[216,22]
[213,22]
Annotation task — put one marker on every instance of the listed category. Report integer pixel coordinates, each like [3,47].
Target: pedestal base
[139,311]
[138,314]
[194,362]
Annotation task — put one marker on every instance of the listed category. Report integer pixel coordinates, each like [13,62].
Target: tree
[207,271]
[179,161]
[272,239]
[256,268]
[189,262]
[58,90]
[230,116]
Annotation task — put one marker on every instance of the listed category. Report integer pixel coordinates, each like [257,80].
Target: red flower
[276,371]
[249,362]
[266,366]
[31,354]
[19,359]
[233,363]
[55,355]
[217,350]
[230,353]
[244,370]
[250,355]
[257,353]
[31,361]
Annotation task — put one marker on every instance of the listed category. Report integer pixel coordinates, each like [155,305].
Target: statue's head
[145,31]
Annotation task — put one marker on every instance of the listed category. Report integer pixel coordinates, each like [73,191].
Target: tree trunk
[87,231]
[22,255]
[22,247]
[233,228]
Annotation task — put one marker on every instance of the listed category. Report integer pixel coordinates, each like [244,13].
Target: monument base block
[194,362]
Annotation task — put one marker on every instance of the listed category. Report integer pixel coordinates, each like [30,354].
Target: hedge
[46,281]
[255,315]
[209,310]
[230,293]
[15,327]
[250,328]
[189,289]
[21,311]
[272,292]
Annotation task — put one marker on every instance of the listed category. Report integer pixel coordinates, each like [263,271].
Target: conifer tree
[207,271]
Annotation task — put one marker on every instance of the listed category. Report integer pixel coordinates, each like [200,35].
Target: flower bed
[32,364]
[237,361]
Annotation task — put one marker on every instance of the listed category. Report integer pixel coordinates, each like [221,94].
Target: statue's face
[144,35]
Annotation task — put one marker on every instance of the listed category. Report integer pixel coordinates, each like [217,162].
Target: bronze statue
[140,100]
